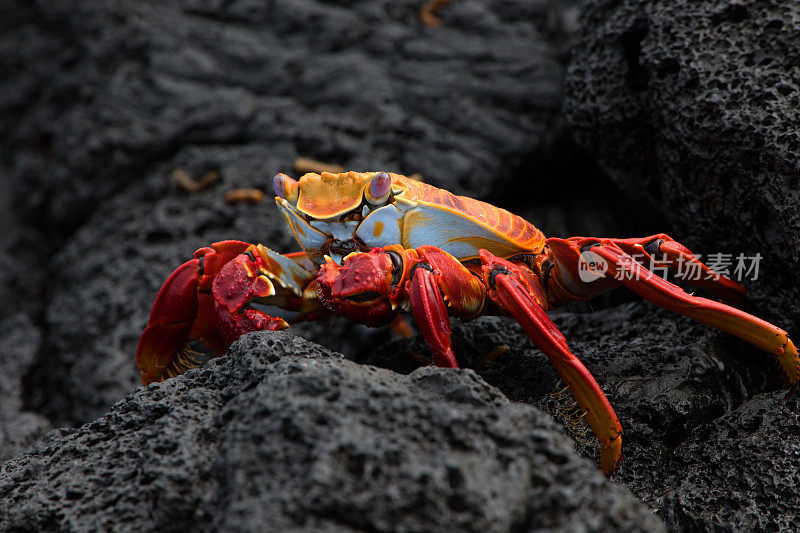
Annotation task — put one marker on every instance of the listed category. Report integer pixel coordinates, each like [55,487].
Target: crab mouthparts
[337,249]
[364,297]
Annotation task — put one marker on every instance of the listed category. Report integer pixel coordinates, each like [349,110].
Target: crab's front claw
[213,299]
[240,282]
[184,311]
[360,289]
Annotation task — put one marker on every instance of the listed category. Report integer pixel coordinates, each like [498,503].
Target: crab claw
[361,288]
[239,282]
[184,311]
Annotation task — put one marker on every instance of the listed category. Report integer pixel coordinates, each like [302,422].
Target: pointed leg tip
[611,455]
[790,362]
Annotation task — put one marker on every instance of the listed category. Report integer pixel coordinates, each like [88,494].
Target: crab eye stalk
[285,187]
[379,188]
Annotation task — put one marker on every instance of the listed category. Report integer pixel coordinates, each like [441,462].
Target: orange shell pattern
[516,229]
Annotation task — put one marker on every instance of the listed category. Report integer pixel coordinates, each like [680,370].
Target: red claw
[170,323]
[184,311]
[360,289]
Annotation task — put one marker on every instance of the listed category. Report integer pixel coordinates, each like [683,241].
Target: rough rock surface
[692,106]
[741,470]
[283,433]
[19,427]
[698,408]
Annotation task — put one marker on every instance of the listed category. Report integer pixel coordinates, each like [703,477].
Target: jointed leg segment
[515,292]
[662,293]
[619,256]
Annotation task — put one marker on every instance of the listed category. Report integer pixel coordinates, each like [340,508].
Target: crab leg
[660,250]
[512,288]
[207,299]
[439,285]
[430,311]
[662,293]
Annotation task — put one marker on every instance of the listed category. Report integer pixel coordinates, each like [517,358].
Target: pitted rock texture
[692,106]
[282,434]
[698,408]
[740,471]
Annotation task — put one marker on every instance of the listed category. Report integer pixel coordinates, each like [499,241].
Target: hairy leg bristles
[570,414]
[186,360]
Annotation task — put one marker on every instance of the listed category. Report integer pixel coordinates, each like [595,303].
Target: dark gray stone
[19,427]
[281,434]
[676,386]
[740,471]
[99,94]
[691,106]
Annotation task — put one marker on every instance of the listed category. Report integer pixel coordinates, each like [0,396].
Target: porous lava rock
[691,106]
[19,426]
[285,435]
[709,439]
[740,471]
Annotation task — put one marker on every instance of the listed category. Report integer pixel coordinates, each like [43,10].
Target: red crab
[377,243]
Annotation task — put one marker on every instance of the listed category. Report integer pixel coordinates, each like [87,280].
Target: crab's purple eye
[380,185]
[277,185]
[283,186]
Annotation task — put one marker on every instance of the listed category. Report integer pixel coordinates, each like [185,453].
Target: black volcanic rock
[740,471]
[692,107]
[19,427]
[698,408]
[283,434]
[97,95]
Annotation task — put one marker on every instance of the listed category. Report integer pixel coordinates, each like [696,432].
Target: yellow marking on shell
[328,195]
[249,270]
[378,229]
[272,285]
